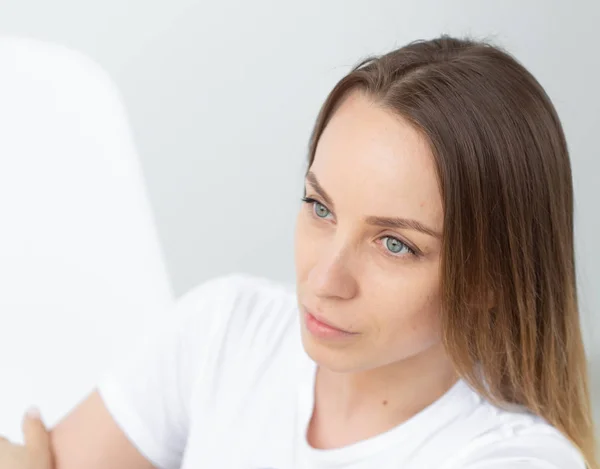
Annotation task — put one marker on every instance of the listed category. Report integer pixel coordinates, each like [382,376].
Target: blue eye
[320,210]
[395,246]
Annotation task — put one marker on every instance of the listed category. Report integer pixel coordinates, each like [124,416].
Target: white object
[225,383]
[81,271]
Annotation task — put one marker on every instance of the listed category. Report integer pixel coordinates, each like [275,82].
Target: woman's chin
[341,360]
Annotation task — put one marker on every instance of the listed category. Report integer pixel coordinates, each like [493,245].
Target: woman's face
[368,242]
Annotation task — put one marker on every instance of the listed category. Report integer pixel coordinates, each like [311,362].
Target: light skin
[35,453]
[368,254]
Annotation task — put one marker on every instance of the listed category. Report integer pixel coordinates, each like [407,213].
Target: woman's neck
[354,406]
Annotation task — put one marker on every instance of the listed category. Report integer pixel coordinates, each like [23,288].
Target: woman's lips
[318,327]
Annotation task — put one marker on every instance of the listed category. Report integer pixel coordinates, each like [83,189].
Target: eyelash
[311,201]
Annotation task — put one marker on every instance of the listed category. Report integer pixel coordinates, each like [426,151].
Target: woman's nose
[332,277]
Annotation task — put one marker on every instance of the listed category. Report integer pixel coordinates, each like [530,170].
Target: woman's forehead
[374,159]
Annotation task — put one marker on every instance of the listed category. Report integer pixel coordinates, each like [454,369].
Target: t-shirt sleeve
[527,451]
[149,393]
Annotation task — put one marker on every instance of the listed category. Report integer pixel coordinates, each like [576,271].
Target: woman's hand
[35,454]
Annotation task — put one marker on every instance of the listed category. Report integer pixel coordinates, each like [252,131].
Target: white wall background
[222,96]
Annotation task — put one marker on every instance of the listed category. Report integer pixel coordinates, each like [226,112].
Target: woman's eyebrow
[314,182]
[403,223]
[386,222]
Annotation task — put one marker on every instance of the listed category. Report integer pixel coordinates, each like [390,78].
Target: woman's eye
[320,210]
[395,246]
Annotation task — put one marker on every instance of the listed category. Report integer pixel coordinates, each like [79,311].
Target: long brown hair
[510,316]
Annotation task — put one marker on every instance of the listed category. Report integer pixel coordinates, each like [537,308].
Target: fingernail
[33,413]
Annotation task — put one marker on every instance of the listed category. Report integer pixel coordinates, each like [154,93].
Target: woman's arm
[138,417]
[89,438]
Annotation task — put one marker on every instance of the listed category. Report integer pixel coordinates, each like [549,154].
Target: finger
[37,438]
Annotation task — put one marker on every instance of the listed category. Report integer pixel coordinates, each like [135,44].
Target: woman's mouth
[321,328]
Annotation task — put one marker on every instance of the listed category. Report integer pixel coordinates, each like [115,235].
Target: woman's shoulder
[236,282]
[238,294]
[240,313]
[243,331]
[514,437]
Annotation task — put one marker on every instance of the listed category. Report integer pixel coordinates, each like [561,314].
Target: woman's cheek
[412,310]
[307,242]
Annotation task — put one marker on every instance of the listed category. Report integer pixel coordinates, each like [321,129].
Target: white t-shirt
[226,384]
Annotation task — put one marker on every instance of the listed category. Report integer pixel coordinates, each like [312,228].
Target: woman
[434,322]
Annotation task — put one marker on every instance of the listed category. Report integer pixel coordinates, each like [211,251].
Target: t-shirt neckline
[449,405]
